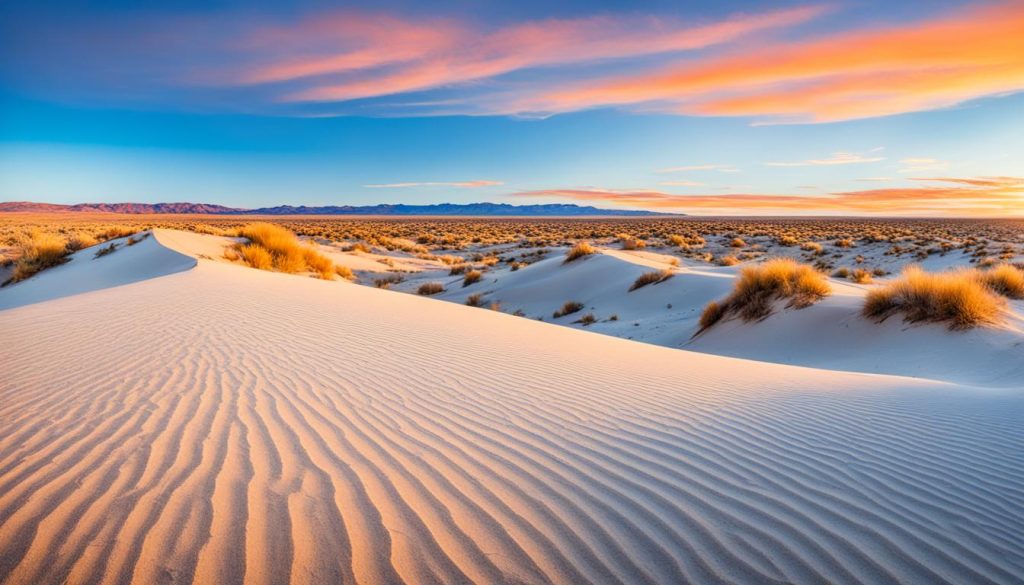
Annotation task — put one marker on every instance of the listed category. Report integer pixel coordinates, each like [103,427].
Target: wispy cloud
[924,65]
[839,158]
[920,165]
[692,168]
[681,183]
[951,196]
[391,64]
[458,184]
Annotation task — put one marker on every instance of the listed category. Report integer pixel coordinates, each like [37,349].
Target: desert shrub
[844,243]
[344,272]
[712,313]
[38,251]
[475,300]
[728,261]
[387,281]
[578,251]
[588,319]
[737,243]
[458,269]
[471,277]
[842,272]
[1004,279]
[958,297]
[812,247]
[286,252]
[758,287]
[677,240]
[80,241]
[231,254]
[112,233]
[430,288]
[568,308]
[256,256]
[653,277]
[785,240]
[105,250]
[860,276]
[318,263]
[631,243]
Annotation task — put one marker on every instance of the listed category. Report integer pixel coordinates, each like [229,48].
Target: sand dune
[221,424]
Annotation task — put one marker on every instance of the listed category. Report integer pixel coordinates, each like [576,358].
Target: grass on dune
[758,287]
[962,298]
[654,277]
[39,251]
[579,251]
[272,247]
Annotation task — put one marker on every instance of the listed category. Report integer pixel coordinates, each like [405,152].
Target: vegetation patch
[758,287]
[961,298]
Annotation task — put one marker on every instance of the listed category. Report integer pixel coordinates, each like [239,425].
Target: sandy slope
[222,424]
[831,334]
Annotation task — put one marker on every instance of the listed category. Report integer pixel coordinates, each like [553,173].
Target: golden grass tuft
[256,256]
[578,251]
[654,277]
[1004,279]
[39,251]
[959,297]
[757,287]
[861,276]
[471,277]
[272,247]
[568,308]
[430,288]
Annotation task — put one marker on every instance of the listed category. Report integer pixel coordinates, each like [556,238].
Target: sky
[852,107]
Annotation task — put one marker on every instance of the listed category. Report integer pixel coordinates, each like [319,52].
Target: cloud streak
[457,184]
[858,74]
[949,196]
[839,158]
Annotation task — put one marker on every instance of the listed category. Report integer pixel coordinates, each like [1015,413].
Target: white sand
[221,424]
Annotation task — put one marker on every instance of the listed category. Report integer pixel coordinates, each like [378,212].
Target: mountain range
[456,209]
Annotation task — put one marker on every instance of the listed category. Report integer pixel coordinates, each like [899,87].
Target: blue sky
[101,102]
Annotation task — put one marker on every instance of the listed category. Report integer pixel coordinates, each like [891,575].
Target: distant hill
[455,209]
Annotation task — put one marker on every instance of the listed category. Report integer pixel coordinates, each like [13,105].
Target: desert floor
[169,417]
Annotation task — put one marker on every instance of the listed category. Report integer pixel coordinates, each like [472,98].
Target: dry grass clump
[109,249]
[430,288]
[471,277]
[39,251]
[568,308]
[654,277]
[728,261]
[578,251]
[80,241]
[1004,279]
[737,243]
[344,272]
[958,297]
[274,247]
[860,276]
[757,287]
[631,243]
[475,300]
[588,319]
[812,247]
[256,256]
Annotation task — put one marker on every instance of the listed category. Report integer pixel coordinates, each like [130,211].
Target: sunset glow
[756,108]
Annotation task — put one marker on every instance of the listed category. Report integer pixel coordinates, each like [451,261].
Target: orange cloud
[380,55]
[877,72]
[985,196]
